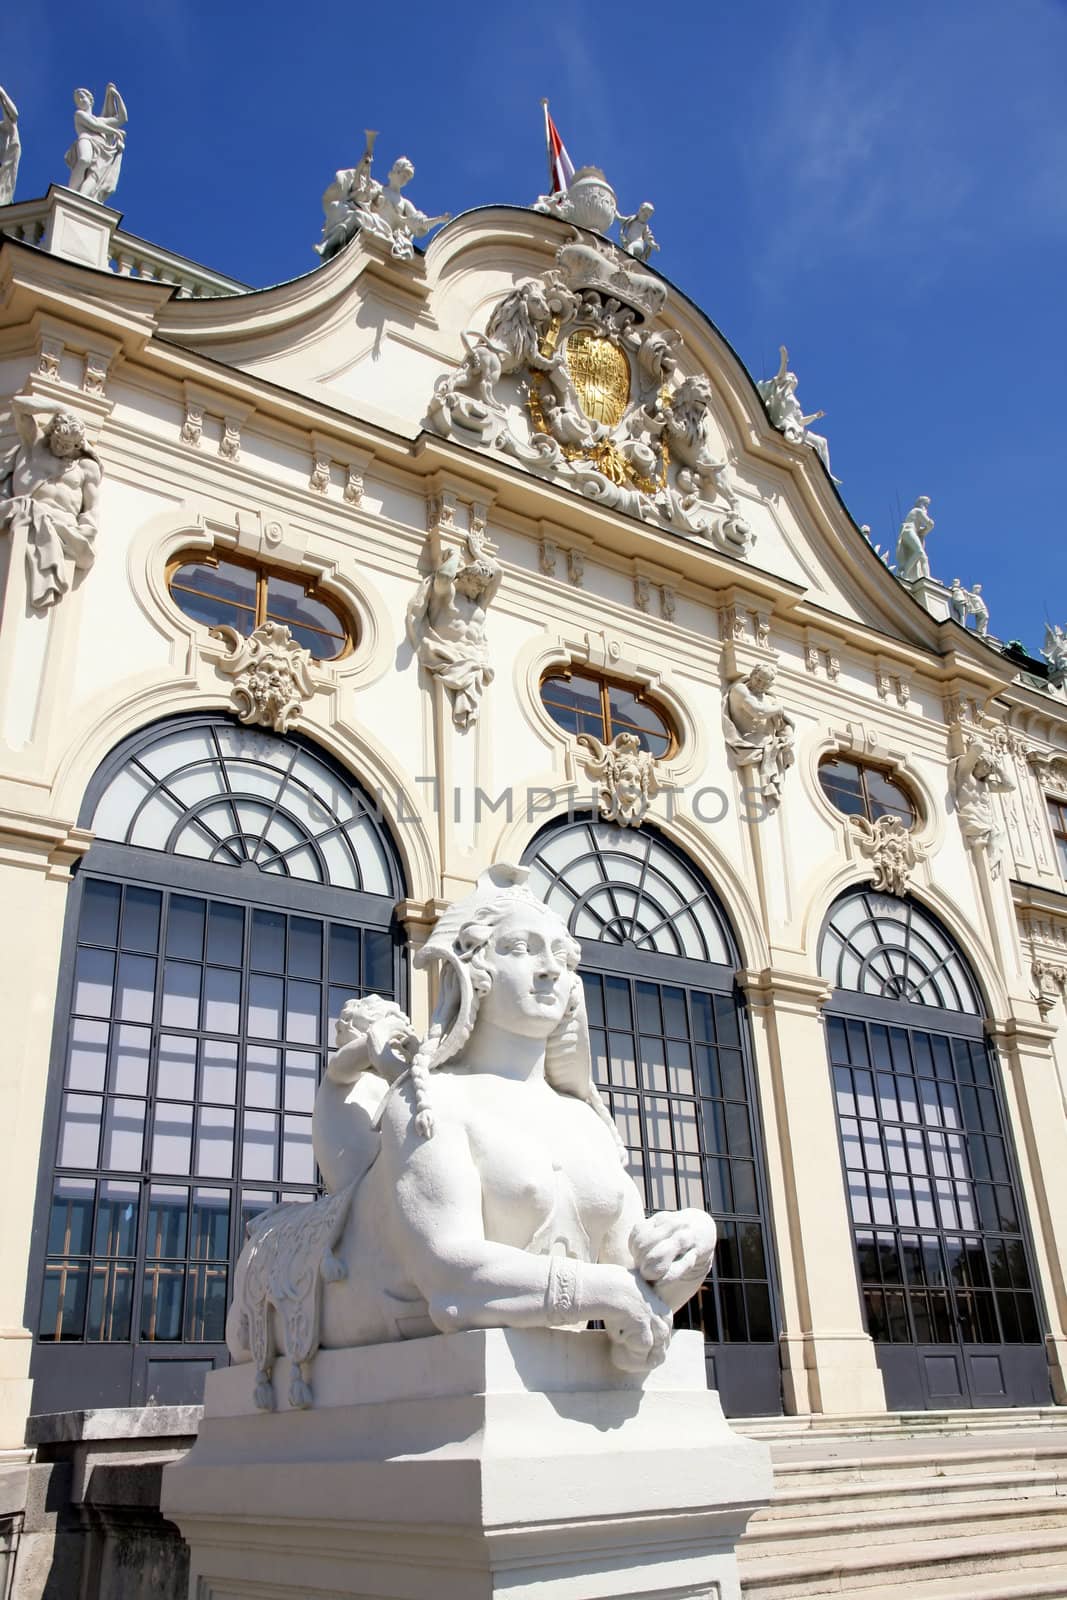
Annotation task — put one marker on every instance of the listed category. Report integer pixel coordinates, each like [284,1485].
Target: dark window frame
[260,610]
[1056,806]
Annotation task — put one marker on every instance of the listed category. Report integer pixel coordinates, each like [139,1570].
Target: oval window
[861,790]
[583,702]
[232,592]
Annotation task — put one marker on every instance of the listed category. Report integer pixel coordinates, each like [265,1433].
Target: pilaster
[828,1358]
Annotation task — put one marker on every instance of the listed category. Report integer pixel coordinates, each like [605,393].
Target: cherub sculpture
[356,203]
[50,488]
[759,732]
[95,157]
[446,627]
[779,395]
[476,1179]
[10,148]
[912,562]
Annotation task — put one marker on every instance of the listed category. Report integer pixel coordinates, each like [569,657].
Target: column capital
[47,844]
[1019,1033]
[781,988]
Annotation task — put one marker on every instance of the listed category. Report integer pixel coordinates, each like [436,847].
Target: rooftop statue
[779,395]
[95,157]
[50,488]
[1054,651]
[10,148]
[356,203]
[589,202]
[912,562]
[964,603]
[475,1178]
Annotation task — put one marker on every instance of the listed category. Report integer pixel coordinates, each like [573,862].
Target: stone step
[1046,1583]
[878,1528]
[902,1424]
[817,1468]
[907,1566]
[898,1493]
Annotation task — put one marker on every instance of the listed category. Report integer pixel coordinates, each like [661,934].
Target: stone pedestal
[489,1464]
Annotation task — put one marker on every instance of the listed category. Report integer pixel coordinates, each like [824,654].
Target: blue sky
[882,187]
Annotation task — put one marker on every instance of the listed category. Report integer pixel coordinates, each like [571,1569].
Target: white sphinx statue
[475,1179]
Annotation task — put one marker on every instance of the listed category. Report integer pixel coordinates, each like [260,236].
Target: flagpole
[548,150]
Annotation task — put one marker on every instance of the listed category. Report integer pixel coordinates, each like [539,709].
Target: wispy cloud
[869,146]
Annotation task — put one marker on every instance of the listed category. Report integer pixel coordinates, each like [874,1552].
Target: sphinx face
[532,977]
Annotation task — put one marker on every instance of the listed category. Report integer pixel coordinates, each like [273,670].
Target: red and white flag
[560,165]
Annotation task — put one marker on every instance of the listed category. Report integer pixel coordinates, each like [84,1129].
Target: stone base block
[492,1464]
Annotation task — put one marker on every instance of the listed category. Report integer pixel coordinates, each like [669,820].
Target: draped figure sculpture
[475,1179]
[912,561]
[95,157]
[10,147]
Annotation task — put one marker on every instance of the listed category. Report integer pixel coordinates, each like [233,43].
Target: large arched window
[239,889]
[941,1239]
[671,1055]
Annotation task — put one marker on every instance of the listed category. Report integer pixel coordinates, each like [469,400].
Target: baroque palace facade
[347,588]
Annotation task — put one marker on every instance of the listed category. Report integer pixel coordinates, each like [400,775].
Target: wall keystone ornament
[888,844]
[571,380]
[271,675]
[759,732]
[95,157]
[356,203]
[625,775]
[392,1130]
[50,490]
[446,621]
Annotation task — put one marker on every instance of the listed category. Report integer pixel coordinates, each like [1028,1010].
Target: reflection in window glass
[218,592]
[581,703]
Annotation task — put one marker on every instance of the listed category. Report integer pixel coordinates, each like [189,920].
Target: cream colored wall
[116,654]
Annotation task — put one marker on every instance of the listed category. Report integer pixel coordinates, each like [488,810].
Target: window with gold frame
[589,702]
[236,592]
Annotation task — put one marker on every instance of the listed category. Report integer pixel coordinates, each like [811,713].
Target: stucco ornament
[589,201]
[964,603]
[10,148]
[271,675]
[1054,651]
[888,844]
[572,378]
[625,776]
[446,625]
[779,395]
[475,1178]
[356,203]
[911,561]
[50,488]
[95,157]
[759,732]
[978,774]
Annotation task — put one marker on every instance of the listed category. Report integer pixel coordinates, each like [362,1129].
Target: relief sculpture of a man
[446,627]
[50,488]
[476,1177]
[759,732]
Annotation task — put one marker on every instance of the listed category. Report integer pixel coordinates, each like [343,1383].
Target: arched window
[671,1055]
[861,789]
[941,1239]
[240,593]
[239,889]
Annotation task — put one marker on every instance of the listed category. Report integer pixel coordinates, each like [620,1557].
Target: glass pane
[71,1222]
[209,1239]
[161,1300]
[214,1142]
[116,1219]
[218,1072]
[123,1135]
[172,1138]
[205,1304]
[99,920]
[268,941]
[302,1012]
[132,1050]
[87,1067]
[136,986]
[265,1006]
[140,919]
[222,999]
[258,1158]
[344,957]
[79,1130]
[185,927]
[301,1080]
[288,602]
[93,982]
[110,1300]
[181,995]
[378,962]
[176,1074]
[63,1303]
[305,948]
[298,1163]
[225,934]
[225,579]
[165,1235]
[261,1075]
